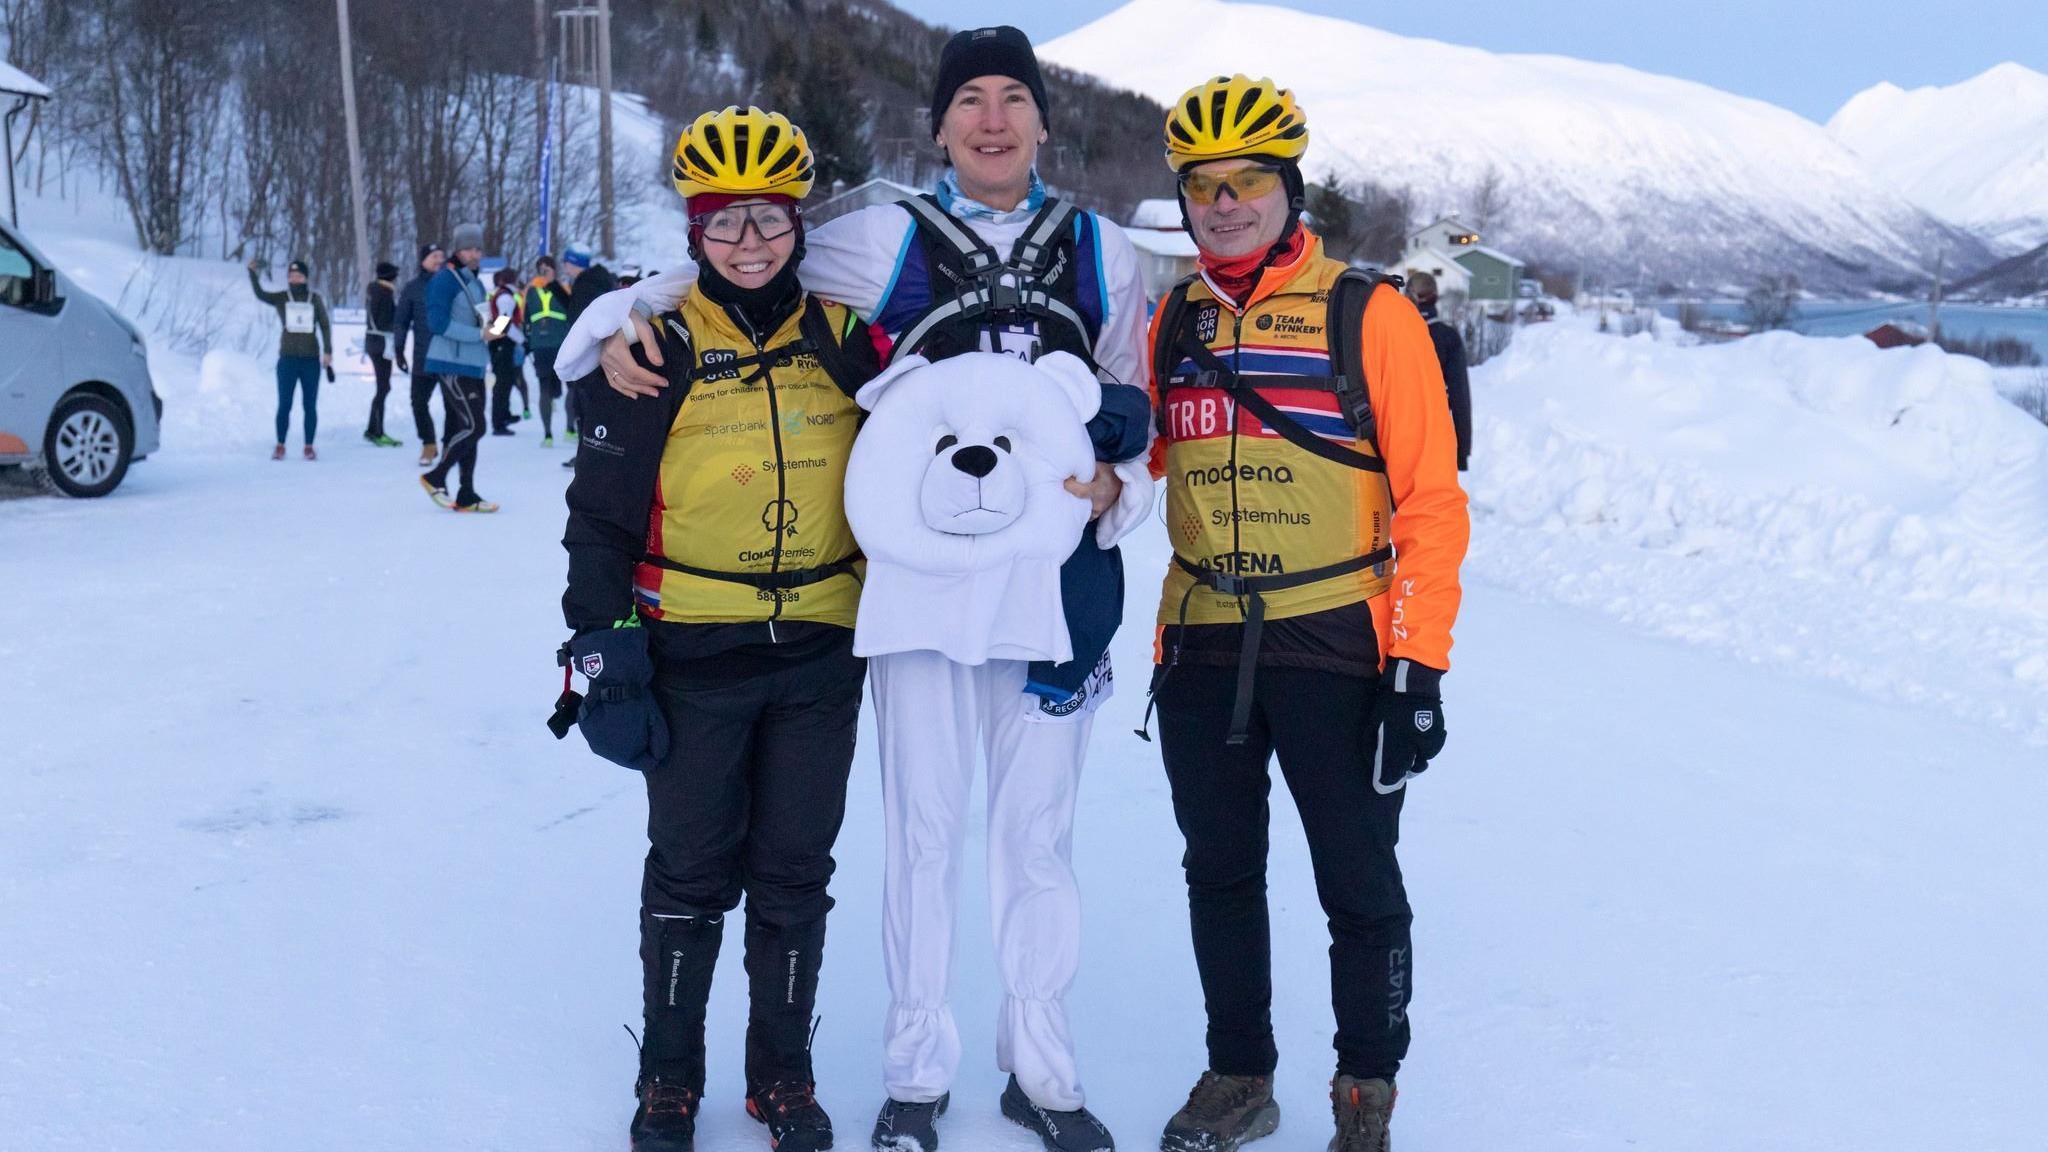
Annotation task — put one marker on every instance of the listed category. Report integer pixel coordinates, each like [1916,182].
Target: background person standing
[410,320]
[1450,356]
[380,307]
[459,355]
[505,369]
[306,347]
[545,309]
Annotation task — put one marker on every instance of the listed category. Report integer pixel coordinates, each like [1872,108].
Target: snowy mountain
[1975,153]
[1609,169]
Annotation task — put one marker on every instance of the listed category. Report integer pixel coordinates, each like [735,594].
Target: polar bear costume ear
[870,393]
[1076,379]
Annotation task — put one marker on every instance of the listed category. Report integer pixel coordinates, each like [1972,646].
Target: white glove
[1132,505]
[613,313]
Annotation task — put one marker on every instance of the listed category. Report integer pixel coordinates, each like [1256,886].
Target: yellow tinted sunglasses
[1244,184]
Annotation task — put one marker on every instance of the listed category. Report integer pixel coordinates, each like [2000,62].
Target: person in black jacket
[410,319]
[380,309]
[717,635]
[586,280]
[1450,355]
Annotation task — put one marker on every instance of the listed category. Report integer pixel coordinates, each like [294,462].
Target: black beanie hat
[386,269]
[998,51]
[299,266]
[427,250]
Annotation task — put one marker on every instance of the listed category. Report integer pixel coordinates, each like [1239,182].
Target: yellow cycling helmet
[743,152]
[1232,116]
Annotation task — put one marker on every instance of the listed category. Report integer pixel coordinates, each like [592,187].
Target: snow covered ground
[1736,841]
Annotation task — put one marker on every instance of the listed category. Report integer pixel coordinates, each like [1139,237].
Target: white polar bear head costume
[955,491]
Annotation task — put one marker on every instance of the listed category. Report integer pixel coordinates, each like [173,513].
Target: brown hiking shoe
[1222,1114]
[666,1120]
[1363,1108]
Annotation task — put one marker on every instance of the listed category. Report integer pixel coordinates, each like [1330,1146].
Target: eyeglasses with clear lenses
[1244,184]
[729,225]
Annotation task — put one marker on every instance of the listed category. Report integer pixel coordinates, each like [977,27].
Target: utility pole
[540,115]
[355,146]
[604,123]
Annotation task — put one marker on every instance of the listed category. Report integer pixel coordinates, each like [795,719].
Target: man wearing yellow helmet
[1299,405]
[712,586]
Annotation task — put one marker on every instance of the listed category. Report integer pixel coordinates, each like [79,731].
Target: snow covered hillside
[1609,169]
[1975,153]
[1735,842]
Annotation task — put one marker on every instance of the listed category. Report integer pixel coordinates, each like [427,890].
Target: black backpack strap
[1034,250]
[992,286]
[1349,297]
[935,221]
[678,364]
[1173,312]
[1212,372]
[829,348]
[1173,315]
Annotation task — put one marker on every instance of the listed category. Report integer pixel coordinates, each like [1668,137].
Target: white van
[76,403]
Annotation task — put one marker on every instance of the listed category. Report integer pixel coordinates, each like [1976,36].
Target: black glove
[1409,714]
[402,365]
[620,718]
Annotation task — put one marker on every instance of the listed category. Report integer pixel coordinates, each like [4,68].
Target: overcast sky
[1806,55]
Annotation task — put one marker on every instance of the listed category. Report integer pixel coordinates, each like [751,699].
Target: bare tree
[158,60]
[1361,220]
[1773,303]
[1489,202]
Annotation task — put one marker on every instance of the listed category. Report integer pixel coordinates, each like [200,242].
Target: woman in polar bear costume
[955,491]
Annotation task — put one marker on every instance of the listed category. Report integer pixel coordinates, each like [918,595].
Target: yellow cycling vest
[751,484]
[1242,499]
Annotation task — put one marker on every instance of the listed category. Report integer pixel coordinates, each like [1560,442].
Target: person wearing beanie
[458,311]
[712,605]
[306,347]
[380,310]
[410,321]
[1300,618]
[988,261]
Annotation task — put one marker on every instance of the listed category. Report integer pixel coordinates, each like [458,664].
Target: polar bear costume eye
[1003,442]
[946,441]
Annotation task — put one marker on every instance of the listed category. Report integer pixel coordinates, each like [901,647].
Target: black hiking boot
[795,1121]
[1363,1109]
[1076,1131]
[1222,1114]
[666,1120]
[906,1127]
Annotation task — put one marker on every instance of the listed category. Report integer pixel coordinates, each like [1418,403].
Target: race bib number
[1012,340]
[1101,683]
[298,316]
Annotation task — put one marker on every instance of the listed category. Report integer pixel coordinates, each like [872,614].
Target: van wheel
[87,448]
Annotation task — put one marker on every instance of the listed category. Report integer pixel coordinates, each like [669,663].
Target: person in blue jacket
[459,355]
[409,321]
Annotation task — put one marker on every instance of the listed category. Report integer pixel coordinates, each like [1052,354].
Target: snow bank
[1874,516]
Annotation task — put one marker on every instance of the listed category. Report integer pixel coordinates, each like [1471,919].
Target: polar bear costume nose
[975,460]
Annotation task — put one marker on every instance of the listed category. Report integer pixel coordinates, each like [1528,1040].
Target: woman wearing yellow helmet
[1300,618]
[712,588]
